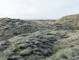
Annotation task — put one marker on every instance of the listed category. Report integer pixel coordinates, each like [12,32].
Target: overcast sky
[38,9]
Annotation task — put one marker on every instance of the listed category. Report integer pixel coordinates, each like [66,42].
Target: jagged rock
[34,45]
[13,27]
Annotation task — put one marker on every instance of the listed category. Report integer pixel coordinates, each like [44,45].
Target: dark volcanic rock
[28,40]
[13,27]
[35,46]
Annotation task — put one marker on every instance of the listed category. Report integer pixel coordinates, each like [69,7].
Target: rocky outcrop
[37,46]
[13,27]
[39,40]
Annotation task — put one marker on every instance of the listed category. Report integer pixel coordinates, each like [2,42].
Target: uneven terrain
[40,39]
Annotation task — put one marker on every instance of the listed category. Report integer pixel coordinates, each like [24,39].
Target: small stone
[26,52]
[15,58]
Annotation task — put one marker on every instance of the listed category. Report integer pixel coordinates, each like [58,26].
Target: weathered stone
[15,58]
[26,52]
[3,45]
